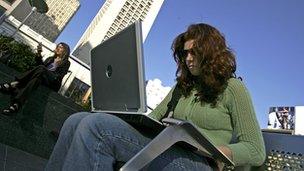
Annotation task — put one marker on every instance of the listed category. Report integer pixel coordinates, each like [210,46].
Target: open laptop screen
[117,73]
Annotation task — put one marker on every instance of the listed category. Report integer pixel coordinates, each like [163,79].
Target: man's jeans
[95,141]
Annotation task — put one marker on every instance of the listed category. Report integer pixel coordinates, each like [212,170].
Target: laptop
[118,78]
[118,82]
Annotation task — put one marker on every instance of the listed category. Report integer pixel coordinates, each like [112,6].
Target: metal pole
[17,29]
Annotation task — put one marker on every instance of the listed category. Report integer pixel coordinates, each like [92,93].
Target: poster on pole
[282,117]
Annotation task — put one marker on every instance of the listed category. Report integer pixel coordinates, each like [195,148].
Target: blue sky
[266,36]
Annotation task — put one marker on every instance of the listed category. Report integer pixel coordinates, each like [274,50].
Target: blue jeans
[95,141]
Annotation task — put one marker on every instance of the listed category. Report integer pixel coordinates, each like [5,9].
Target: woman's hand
[227,152]
[39,50]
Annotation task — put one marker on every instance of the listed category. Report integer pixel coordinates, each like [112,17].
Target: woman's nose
[189,57]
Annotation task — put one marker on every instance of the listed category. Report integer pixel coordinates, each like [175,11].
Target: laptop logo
[109,71]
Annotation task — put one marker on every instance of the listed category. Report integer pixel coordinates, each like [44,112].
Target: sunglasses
[184,53]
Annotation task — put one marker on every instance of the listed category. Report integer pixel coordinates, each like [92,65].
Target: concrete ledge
[14,159]
[30,129]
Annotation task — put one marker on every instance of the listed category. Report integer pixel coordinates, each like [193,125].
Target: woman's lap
[107,137]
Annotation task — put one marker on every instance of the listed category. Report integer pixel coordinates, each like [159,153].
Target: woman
[49,73]
[212,98]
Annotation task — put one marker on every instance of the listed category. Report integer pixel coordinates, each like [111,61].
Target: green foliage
[20,56]
[4,40]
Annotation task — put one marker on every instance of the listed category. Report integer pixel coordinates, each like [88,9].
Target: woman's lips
[191,66]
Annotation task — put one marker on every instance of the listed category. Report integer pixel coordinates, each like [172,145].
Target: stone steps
[29,130]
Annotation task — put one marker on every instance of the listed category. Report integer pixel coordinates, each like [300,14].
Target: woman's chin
[194,72]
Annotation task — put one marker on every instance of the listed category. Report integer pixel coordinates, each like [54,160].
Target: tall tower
[113,16]
[51,24]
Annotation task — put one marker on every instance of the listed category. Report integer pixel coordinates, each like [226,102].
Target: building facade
[6,7]
[51,24]
[114,16]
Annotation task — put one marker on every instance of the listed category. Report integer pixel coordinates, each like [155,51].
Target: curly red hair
[216,60]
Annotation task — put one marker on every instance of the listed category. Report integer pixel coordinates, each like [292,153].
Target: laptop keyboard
[284,161]
[280,161]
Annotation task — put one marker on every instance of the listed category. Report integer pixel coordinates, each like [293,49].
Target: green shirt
[233,113]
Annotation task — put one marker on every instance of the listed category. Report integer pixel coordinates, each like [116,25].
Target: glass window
[2,10]
[77,90]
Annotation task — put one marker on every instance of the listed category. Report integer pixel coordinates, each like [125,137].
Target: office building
[113,16]
[51,24]
[6,7]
